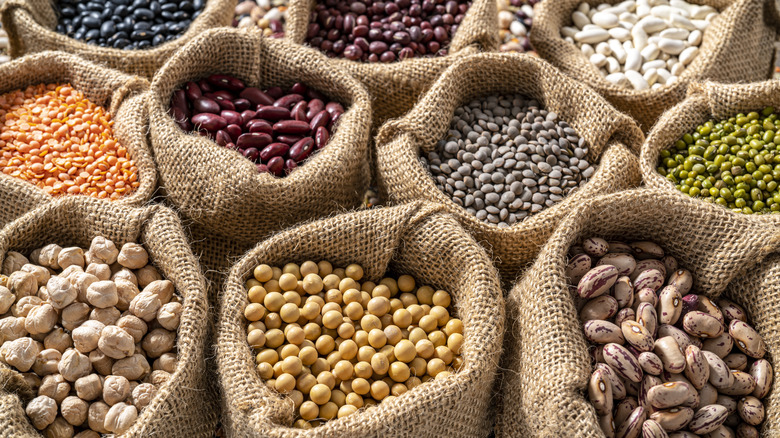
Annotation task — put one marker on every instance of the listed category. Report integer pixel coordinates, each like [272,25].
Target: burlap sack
[546,362]
[395,87]
[119,93]
[183,406]
[415,239]
[30,25]
[737,47]
[612,136]
[222,190]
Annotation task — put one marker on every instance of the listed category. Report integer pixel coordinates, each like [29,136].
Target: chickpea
[166,362]
[58,340]
[133,256]
[55,387]
[46,362]
[102,250]
[96,415]
[12,328]
[71,256]
[61,292]
[89,387]
[116,343]
[41,274]
[169,316]
[74,410]
[143,395]
[103,294]
[13,262]
[42,411]
[41,319]
[100,362]
[87,434]
[81,281]
[74,365]
[158,377]
[121,416]
[162,288]
[124,274]
[157,342]
[24,305]
[126,291]
[133,325]
[22,284]
[101,271]
[134,367]
[145,306]
[21,353]
[115,389]
[146,275]
[7,299]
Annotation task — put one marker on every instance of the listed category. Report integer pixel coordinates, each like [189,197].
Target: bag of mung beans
[184,406]
[120,94]
[737,47]
[222,190]
[415,239]
[395,87]
[613,139]
[30,25]
[546,360]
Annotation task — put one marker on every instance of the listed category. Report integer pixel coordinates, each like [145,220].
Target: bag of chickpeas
[386,322]
[91,142]
[508,174]
[639,295]
[737,45]
[396,84]
[103,324]
[32,27]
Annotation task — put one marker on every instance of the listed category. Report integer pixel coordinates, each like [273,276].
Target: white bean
[613,65]
[633,60]
[598,60]
[650,76]
[653,65]
[618,79]
[580,19]
[675,34]
[672,47]
[569,32]
[605,20]
[687,55]
[619,33]
[617,50]
[640,37]
[591,36]
[694,38]
[678,68]
[637,81]
[650,53]
[587,50]
[651,24]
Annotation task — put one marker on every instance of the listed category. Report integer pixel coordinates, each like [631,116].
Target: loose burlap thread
[415,239]
[546,365]
[223,191]
[119,93]
[30,25]
[613,139]
[395,87]
[183,405]
[737,47]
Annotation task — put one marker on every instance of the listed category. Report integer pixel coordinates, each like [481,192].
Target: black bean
[107,29]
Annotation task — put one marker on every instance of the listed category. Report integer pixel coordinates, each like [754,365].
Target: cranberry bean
[205,105]
[274,150]
[253,140]
[291,127]
[209,122]
[256,96]
[273,113]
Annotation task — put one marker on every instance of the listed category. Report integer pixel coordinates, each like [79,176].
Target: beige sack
[414,239]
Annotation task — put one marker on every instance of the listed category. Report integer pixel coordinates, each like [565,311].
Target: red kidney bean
[234,131]
[256,96]
[314,94]
[223,138]
[179,101]
[231,117]
[205,87]
[300,150]
[225,103]
[321,137]
[181,119]
[288,101]
[273,113]
[299,111]
[257,140]
[223,94]
[246,116]
[275,92]
[298,88]
[205,105]
[314,108]
[192,90]
[259,126]
[209,122]
[321,119]
[251,153]
[288,139]
[276,166]
[226,82]
[291,127]
[289,165]
[261,168]
[274,150]
[242,104]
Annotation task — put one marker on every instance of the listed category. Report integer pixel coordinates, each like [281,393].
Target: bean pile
[666,360]
[78,327]
[335,345]
[514,22]
[640,44]
[268,15]
[275,129]
[127,24]
[384,31]
[53,137]
[734,163]
[505,158]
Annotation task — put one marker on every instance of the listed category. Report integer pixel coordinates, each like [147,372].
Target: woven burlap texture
[30,25]
[546,365]
[183,406]
[121,94]
[221,189]
[612,136]
[395,87]
[415,239]
[737,47]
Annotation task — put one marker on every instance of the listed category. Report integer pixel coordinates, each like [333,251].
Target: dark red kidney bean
[225,103]
[288,139]
[231,146]
[272,113]
[262,168]
[193,91]
[299,111]
[246,116]
[224,95]
[334,107]
[288,101]
[181,119]
[314,108]
[274,150]
[300,150]
[205,105]
[256,96]
[235,131]
[226,82]
[179,100]
[387,57]
[313,30]
[353,52]
[252,154]
[205,87]
[276,166]
[314,94]
[321,119]
[298,88]
[274,92]
[259,126]
[291,127]
[289,165]
[209,122]
[231,117]
[242,104]
[257,140]
[321,137]
[223,138]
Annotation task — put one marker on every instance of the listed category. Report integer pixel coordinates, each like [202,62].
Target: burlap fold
[415,239]
[737,47]
[30,25]
[183,406]
[546,362]
[221,189]
[613,139]
[395,87]
[119,93]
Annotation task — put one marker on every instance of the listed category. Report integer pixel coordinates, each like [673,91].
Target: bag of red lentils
[613,140]
[223,191]
[737,47]
[415,239]
[119,94]
[395,87]
[30,25]
[546,364]
[185,405]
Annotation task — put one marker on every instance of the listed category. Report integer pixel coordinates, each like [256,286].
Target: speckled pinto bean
[600,393]
[637,335]
[624,262]
[597,281]
[623,291]
[623,362]
[747,339]
[603,332]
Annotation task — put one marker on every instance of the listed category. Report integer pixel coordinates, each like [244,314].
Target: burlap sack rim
[232,295]
[194,302]
[134,87]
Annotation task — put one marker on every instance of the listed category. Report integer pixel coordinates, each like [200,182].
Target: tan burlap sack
[30,25]
[415,239]
[183,406]
[119,93]
[546,362]
[395,87]
[612,136]
[222,190]
[737,47]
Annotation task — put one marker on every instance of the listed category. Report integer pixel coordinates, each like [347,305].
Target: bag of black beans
[611,138]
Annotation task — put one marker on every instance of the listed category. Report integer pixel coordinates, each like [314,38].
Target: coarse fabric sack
[30,25]
[183,406]
[415,239]
[546,361]
[119,93]
[737,47]
[395,87]
[613,139]
[705,101]
[222,190]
